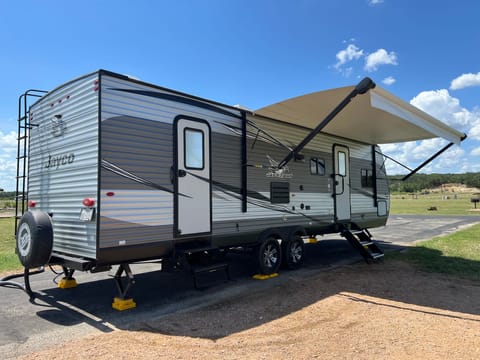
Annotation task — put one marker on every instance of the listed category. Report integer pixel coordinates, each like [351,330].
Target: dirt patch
[455,188]
[353,312]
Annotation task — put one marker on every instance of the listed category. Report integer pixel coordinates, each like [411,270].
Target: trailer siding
[63,162]
[137,158]
[316,191]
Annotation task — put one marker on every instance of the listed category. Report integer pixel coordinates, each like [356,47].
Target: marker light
[88,202]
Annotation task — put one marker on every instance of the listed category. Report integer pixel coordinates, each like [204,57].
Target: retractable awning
[376,117]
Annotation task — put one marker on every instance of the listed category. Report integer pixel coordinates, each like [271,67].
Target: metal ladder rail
[23,131]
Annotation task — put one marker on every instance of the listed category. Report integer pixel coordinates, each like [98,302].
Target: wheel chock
[67,283]
[123,304]
[264,277]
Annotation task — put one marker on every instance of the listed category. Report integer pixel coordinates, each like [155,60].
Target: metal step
[362,241]
[366,243]
[376,256]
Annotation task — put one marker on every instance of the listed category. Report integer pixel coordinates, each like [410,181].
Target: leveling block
[123,304]
[264,277]
[67,283]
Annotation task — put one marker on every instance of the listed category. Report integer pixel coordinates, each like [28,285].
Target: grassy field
[8,258]
[445,204]
[457,254]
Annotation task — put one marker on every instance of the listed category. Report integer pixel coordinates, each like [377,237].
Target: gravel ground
[352,312]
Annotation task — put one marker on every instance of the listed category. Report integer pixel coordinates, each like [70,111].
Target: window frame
[319,165]
[366,178]
[185,153]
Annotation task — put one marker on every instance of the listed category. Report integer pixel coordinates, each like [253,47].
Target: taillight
[88,202]
[31,203]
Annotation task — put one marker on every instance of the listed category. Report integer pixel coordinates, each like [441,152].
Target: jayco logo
[54,162]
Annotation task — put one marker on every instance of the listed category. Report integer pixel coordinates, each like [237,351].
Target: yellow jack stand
[67,283]
[123,304]
[264,277]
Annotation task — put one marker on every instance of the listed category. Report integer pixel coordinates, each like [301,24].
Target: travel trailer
[113,171]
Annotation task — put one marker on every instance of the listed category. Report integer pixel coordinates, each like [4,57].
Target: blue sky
[254,53]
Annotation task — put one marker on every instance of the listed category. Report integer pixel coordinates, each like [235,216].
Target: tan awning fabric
[377,117]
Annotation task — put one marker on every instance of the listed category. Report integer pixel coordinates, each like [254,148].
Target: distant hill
[7,194]
[420,182]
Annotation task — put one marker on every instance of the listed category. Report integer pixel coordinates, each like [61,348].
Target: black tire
[34,240]
[269,256]
[293,251]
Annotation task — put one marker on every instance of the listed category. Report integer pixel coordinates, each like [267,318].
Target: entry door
[341,161]
[193,179]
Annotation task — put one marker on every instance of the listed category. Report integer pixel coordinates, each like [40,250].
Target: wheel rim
[296,252]
[270,256]
[24,240]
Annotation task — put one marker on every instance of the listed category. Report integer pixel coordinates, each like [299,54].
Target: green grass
[457,254]
[404,204]
[8,258]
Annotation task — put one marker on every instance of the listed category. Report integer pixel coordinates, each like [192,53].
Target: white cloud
[8,164]
[465,80]
[374,2]
[413,153]
[351,40]
[380,57]
[441,105]
[475,152]
[389,80]
[350,53]
[474,132]
[8,140]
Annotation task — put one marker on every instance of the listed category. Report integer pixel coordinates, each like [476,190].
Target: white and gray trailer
[118,171]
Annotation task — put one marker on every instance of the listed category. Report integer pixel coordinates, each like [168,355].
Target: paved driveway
[404,229]
[59,315]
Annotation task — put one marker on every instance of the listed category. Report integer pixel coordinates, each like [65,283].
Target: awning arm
[432,158]
[392,159]
[361,88]
[414,171]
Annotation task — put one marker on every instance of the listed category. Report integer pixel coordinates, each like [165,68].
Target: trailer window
[342,163]
[317,166]
[367,178]
[194,149]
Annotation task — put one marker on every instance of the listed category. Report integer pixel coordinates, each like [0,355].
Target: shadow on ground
[167,303]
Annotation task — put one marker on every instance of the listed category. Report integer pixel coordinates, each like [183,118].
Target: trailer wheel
[34,240]
[269,256]
[293,251]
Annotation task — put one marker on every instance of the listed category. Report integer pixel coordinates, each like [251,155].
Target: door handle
[337,183]
[182,173]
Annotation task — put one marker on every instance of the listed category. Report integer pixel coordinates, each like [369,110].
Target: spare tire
[34,240]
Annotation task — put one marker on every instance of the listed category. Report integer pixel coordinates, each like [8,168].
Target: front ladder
[23,132]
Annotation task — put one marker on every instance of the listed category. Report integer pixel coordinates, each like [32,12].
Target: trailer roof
[377,117]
